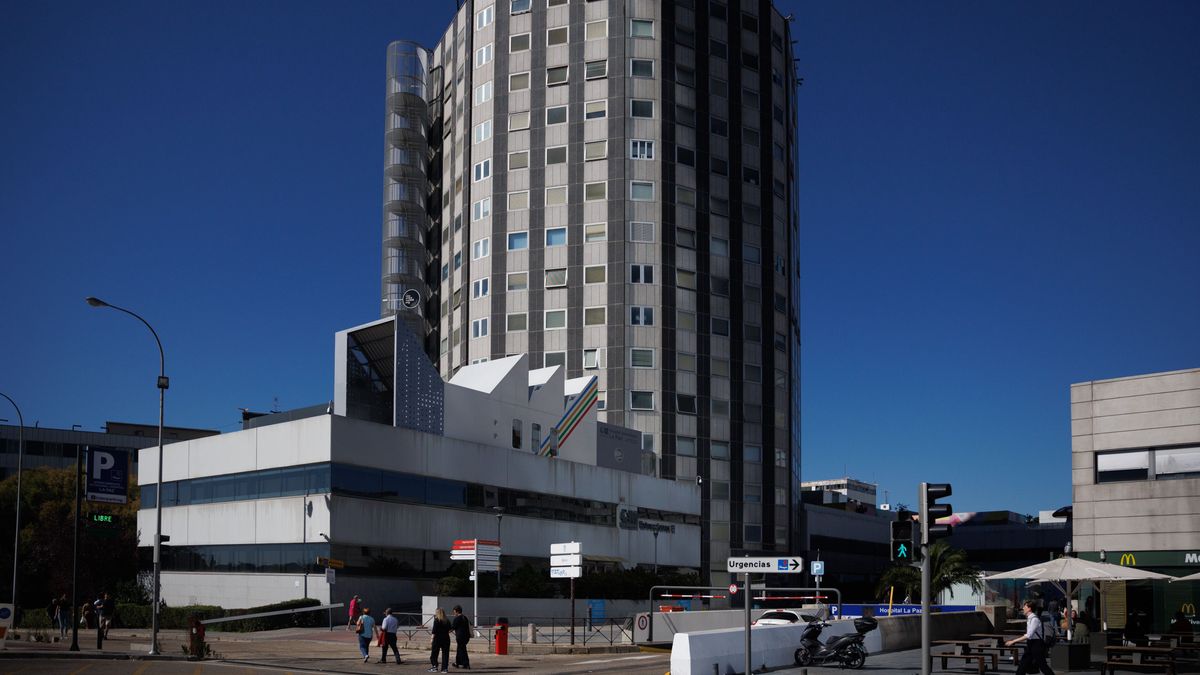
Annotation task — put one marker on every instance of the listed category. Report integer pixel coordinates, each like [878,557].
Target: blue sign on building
[107,475]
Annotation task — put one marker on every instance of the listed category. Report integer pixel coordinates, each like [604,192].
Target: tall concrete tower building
[610,186]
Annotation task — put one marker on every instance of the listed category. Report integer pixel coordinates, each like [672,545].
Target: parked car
[777,617]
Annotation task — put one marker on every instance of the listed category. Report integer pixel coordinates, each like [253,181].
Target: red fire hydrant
[502,636]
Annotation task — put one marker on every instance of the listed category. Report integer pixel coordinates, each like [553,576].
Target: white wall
[261,521]
[239,591]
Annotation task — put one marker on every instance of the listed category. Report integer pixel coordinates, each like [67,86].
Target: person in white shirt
[390,626]
[1034,658]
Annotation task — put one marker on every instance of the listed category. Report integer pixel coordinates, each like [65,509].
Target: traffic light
[931,511]
[902,541]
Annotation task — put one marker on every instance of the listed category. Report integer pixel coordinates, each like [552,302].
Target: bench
[980,659]
[1113,666]
[1138,659]
[1014,651]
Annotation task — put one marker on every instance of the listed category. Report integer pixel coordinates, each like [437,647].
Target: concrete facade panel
[1149,384]
[1081,411]
[1163,506]
[227,453]
[1081,392]
[1147,438]
[225,523]
[1081,427]
[306,442]
[1145,421]
[1189,398]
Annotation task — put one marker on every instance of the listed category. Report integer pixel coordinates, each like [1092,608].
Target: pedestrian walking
[462,634]
[355,602]
[441,641]
[106,610]
[389,628]
[62,616]
[52,612]
[1034,658]
[365,629]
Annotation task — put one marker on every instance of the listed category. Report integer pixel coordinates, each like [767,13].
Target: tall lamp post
[163,383]
[17,530]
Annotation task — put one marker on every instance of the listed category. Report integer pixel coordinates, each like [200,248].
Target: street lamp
[162,383]
[499,517]
[17,531]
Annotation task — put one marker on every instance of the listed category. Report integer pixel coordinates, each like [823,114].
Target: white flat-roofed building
[248,513]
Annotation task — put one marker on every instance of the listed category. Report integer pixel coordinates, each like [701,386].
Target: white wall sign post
[748,566]
[484,555]
[566,562]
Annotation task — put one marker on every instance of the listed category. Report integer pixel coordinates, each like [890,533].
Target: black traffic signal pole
[930,512]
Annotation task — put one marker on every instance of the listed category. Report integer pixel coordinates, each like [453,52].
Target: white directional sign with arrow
[790,565]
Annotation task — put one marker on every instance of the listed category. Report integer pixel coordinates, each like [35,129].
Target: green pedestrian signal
[902,540]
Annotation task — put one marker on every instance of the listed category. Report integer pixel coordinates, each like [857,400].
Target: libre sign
[107,475]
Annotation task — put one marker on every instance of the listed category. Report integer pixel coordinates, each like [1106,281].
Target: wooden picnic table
[966,650]
[998,639]
[1139,658]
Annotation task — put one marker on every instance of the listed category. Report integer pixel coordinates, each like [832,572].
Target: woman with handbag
[365,630]
[441,641]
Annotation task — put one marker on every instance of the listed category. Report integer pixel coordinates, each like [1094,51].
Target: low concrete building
[482,456]
[1135,451]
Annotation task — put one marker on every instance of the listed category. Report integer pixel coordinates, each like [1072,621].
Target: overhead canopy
[1190,577]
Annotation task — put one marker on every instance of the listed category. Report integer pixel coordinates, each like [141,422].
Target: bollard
[100,636]
[531,633]
[501,636]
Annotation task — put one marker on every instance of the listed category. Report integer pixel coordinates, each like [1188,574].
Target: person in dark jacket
[462,635]
[441,641]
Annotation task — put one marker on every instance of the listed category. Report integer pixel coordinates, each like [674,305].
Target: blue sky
[997,200]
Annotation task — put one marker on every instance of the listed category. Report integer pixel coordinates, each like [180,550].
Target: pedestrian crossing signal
[902,541]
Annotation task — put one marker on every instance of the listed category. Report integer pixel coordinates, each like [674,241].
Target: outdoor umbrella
[1190,577]
[1070,571]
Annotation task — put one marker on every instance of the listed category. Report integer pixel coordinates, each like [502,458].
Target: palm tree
[948,566]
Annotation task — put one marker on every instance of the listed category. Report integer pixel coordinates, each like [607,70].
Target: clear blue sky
[998,199]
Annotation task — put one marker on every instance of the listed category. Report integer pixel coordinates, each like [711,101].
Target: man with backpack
[1035,639]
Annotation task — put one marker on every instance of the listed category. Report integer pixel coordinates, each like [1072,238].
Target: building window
[556,155]
[641,316]
[685,446]
[594,110]
[481,209]
[479,328]
[595,150]
[685,75]
[595,274]
[641,28]
[591,359]
[517,82]
[641,231]
[641,108]
[485,17]
[641,400]
[518,241]
[457,261]
[719,126]
[483,93]
[555,319]
[556,236]
[518,160]
[481,248]
[685,362]
[641,191]
[751,254]
[479,288]
[595,70]
[520,7]
[518,201]
[718,246]
[558,36]
[641,68]
[556,277]
[483,55]
[641,358]
[483,131]
[518,121]
[556,115]
[556,196]
[482,170]
[593,232]
[518,281]
[517,322]
[685,404]
[752,373]
[685,156]
[595,191]
[1122,466]
[641,274]
[685,279]
[516,434]
[750,176]
[639,149]
[595,316]
[595,30]
[720,326]
[556,76]
[1172,463]
[685,196]
[518,43]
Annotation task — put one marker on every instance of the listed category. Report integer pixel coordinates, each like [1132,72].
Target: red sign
[469,544]
[733,589]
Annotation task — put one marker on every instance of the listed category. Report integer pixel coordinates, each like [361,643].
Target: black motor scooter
[847,650]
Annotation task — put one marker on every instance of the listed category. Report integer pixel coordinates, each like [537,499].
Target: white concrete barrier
[770,647]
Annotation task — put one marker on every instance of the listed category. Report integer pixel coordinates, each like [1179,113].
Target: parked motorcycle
[847,650]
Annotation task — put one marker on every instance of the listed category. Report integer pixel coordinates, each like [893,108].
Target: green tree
[108,557]
[948,566]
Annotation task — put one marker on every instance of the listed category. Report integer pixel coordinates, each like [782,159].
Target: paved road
[633,664]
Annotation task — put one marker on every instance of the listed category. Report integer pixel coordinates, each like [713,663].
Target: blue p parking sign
[107,475]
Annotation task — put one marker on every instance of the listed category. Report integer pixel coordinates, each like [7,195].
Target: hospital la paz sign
[788,565]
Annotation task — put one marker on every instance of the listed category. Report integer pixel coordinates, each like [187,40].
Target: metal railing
[545,629]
